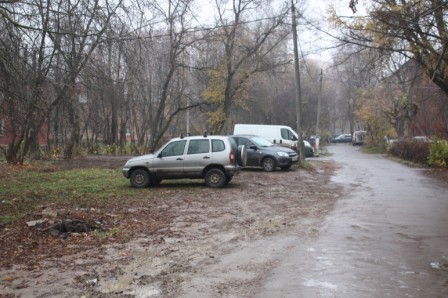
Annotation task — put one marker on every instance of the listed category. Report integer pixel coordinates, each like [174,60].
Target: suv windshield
[174,149]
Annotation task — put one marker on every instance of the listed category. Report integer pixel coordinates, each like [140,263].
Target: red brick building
[5,133]
[431,118]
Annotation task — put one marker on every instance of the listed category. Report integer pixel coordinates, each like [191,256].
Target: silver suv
[213,158]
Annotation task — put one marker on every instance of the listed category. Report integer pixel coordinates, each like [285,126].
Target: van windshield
[259,141]
[288,135]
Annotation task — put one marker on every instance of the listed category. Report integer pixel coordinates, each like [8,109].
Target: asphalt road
[388,237]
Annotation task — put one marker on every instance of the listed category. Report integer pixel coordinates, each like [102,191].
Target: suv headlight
[283,154]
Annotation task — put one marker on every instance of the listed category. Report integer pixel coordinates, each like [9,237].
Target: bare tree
[156,60]
[414,29]
[25,62]
[245,42]
[55,41]
[106,97]
[78,30]
[357,68]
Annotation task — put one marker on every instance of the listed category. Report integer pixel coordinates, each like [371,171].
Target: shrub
[417,152]
[110,149]
[438,155]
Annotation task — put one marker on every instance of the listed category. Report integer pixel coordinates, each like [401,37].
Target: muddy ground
[183,240]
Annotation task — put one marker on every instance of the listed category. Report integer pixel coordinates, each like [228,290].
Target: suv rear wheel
[215,178]
[140,178]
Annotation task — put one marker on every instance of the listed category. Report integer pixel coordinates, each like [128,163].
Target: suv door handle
[206,157]
[179,158]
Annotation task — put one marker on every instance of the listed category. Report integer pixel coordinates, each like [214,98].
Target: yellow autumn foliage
[215,94]
[216,86]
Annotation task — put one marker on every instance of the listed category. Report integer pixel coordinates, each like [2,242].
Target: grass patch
[4,219]
[64,184]
[106,234]
[304,165]
[90,190]
[407,163]
[21,191]
[374,149]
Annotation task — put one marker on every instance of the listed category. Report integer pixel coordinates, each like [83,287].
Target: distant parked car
[332,137]
[421,139]
[343,138]
[312,140]
[358,137]
[309,151]
[216,159]
[264,154]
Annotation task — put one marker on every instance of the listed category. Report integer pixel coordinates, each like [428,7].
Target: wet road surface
[386,238]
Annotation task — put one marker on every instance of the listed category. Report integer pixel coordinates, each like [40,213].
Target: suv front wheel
[140,178]
[215,178]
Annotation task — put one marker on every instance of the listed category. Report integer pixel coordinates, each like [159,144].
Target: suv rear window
[198,146]
[218,145]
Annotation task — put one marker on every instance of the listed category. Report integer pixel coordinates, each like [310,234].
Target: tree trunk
[34,145]
[73,122]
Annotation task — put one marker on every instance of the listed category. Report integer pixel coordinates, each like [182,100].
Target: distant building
[431,118]
[5,133]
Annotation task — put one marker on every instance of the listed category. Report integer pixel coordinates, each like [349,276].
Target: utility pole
[188,116]
[318,112]
[300,146]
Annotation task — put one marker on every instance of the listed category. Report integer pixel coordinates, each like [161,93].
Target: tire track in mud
[220,242]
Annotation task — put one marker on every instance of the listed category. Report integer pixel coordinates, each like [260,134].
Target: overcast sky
[312,42]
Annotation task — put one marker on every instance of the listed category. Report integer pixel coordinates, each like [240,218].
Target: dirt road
[214,242]
[353,225]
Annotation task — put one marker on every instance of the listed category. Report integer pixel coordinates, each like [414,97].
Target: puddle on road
[140,267]
[319,284]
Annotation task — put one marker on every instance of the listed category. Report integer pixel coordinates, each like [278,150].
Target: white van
[280,135]
[358,137]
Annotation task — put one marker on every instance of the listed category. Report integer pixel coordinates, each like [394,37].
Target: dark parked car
[332,137]
[264,154]
[309,151]
[344,138]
